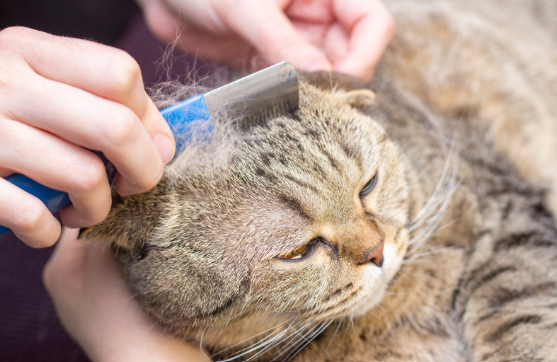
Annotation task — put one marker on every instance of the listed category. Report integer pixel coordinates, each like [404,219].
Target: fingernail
[165,146]
[314,65]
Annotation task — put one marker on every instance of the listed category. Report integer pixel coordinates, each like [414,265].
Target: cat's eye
[369,186]
[295,254]
[142,254]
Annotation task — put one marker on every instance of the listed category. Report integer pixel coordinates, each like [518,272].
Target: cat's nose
[375,255]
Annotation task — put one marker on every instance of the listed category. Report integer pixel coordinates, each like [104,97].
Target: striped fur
[462,135]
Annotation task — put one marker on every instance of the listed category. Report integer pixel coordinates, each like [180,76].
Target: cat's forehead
[326,131]
[296,170]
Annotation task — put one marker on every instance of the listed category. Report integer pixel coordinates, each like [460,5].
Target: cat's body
[462,133]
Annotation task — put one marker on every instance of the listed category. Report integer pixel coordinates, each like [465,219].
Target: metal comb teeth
[262,95]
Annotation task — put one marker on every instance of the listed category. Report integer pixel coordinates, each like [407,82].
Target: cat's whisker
[201,345]
[433,200]
[276,340]
[314,332]
[413,261]
[265,346]
[324,326]
[352,319]
[433,224]
[431,204]
[435,251]
[345,329]
[289,345]
[448,224]
[273,329]
[259,345]
[444,189]
[334,334]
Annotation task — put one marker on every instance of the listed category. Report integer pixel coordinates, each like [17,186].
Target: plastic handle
[179,117]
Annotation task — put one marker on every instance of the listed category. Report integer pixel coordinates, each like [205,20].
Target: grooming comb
[267,93]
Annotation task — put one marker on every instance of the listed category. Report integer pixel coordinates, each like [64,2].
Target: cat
[408,223]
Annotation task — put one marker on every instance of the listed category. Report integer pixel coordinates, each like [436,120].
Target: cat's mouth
[337,303]
[347,300]
[357,298]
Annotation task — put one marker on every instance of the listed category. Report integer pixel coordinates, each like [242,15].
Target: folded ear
[352,90]
[359,97]
[129,224]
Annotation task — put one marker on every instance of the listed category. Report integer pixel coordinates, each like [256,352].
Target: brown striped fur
[462,134]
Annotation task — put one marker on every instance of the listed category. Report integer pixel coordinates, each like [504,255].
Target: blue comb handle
[179,117]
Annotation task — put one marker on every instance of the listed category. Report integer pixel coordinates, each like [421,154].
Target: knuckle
[381,12]
[91,176]
[121,129]
[7,35]
[124,74]
[16,36]
[287,42]
[29,216]
[9,40]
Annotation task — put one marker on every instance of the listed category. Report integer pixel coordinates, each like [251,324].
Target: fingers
[27,217]
[95,68]
[370,27]
[268,29]
[60,165]
[57,94]
[96,124]
[336,42]
[159,131]
[91,95]
[160,20]
[168,26]
[353,34]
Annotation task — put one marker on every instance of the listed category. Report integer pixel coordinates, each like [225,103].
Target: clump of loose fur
[409,223]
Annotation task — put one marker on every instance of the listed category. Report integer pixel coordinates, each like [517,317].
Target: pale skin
[58,95]
[347,36]
[61,95]
[97,309]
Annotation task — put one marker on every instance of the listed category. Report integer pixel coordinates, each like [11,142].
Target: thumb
[64,271]
[159,131]
[273,35]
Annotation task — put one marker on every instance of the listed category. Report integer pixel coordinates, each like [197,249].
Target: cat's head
[300,216]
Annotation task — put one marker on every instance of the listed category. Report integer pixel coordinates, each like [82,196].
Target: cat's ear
[359,98]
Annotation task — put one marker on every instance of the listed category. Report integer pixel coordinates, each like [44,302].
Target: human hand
[57,94]
[348,36]
[99,312]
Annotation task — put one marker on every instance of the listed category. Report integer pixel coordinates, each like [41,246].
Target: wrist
[153,346]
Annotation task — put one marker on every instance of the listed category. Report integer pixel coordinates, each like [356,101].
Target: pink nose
[375,255]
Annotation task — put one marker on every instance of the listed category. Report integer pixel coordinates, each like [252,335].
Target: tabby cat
[411,223]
